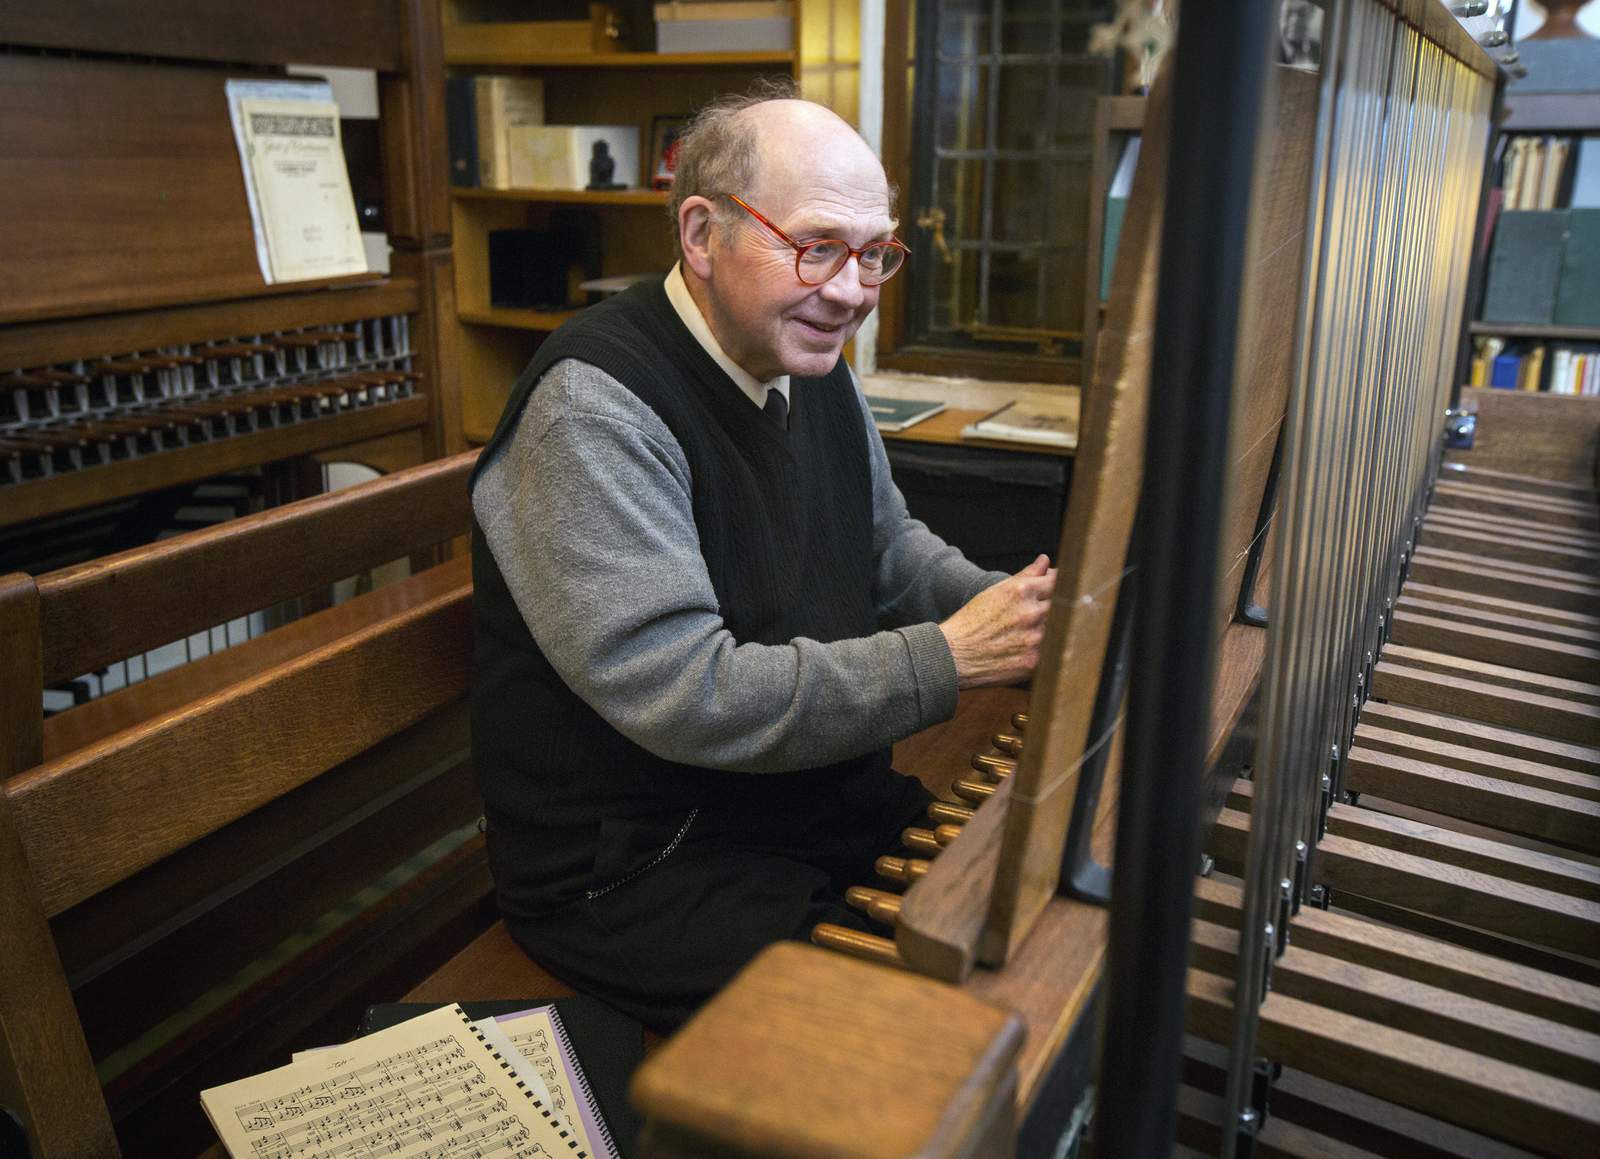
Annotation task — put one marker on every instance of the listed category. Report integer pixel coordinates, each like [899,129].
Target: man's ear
[694,234]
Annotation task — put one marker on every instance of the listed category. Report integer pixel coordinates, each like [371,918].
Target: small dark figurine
[601,166]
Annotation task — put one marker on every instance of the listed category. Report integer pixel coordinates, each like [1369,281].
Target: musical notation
[426,1089]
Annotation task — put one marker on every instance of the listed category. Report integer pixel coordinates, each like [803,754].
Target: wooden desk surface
[969,399]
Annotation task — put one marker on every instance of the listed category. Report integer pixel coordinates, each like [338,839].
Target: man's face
[767,320]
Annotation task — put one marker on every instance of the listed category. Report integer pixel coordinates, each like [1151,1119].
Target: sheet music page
[428,1088]
[533,1034]
[296,163]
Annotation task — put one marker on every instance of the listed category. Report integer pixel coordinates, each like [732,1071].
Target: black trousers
[660,945]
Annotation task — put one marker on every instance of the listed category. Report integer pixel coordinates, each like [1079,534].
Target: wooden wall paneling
[102,211]
[416,144]
[352,34]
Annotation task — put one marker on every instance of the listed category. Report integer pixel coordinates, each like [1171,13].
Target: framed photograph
[664,134]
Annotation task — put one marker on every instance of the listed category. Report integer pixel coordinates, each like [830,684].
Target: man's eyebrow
[832,227]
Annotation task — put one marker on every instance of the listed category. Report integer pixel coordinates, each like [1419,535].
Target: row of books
[1555,368]
[1544,268]
[499,140]
[1549,171]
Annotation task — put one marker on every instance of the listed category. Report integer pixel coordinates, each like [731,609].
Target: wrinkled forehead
[819,173]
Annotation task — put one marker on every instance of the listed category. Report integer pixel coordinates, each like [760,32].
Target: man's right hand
[996,637]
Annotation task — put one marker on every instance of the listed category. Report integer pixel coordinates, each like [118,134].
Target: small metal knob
[1473,8]
[1493,38]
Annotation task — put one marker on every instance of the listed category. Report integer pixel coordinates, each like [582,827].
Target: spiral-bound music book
[435,1086]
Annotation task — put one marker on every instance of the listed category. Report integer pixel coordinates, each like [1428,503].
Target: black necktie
[777,408]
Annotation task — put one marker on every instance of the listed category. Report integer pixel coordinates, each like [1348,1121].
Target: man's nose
[845,287]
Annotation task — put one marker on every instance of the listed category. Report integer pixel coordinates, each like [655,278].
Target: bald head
[793,137]
[764,140]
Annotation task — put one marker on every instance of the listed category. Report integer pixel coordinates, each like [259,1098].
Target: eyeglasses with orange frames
[816,262]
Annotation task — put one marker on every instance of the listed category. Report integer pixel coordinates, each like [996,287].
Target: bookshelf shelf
[1528,330]
[517,319]
[510,53]
[643,197]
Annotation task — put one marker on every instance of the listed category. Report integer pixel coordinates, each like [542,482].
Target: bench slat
[193,582]
[166,783]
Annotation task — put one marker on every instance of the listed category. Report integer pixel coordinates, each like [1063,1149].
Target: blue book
[896,414]
[1503,375]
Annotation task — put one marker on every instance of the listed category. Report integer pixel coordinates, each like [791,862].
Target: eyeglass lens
[822,260]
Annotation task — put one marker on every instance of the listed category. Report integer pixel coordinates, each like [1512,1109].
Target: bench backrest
[163,769]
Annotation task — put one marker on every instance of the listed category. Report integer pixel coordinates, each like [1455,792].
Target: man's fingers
[1038,567]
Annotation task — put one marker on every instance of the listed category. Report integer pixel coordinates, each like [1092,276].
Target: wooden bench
[207,869]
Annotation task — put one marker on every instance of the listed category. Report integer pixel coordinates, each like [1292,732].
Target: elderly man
[704,614]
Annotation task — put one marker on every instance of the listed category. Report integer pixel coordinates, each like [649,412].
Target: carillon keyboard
[91,412]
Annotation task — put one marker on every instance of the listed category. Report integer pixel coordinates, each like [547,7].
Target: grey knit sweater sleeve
[587,509]
[919,576]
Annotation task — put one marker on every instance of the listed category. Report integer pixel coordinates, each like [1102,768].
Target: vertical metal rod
[1220,72]
[997,19]
[1272,830]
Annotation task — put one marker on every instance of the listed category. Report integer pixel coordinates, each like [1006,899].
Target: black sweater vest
[785,527]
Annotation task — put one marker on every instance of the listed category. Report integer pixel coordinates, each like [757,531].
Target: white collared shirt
[683,302]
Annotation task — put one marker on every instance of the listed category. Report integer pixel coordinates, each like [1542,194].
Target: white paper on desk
[428,1087]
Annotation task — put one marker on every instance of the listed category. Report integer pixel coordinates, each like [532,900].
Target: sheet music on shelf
[428,1088]
[296,183]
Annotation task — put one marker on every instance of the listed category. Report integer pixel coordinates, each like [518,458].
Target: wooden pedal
[903,869]
[857,944]
[994,767]
[947,813]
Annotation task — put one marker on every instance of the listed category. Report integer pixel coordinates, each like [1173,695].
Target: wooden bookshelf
[599,88]
[543,320]
[513,52]
[1529,330]
[644,197]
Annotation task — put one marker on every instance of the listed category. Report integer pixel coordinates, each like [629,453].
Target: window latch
[934,219]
